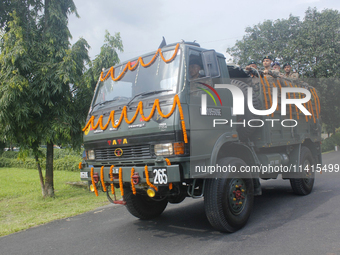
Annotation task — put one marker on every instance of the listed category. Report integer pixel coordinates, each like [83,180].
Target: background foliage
[46,84]
[311,45]
[64,160]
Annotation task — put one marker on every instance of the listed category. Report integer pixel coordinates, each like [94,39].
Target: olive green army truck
[179,122]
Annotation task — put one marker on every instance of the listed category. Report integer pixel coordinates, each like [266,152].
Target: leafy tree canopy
[45,89]
[311,45]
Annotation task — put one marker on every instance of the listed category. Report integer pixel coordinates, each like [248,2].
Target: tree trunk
[40,176]
[49,189]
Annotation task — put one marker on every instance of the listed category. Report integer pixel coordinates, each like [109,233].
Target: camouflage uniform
[291,75]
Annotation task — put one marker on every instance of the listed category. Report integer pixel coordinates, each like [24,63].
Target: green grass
[22,205]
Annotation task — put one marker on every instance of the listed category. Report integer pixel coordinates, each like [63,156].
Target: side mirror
[210,63]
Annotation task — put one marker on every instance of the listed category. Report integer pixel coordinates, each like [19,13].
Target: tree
[270,37]
[44,94]
[106,58]
[312,46]
[318,44]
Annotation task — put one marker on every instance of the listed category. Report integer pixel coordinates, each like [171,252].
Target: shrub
[64,160]
[10,154]
[329,143]
[67,163]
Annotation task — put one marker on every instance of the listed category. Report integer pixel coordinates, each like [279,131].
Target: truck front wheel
[228,201]
[143,207]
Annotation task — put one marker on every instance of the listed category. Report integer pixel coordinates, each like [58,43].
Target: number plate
[83,175]
[160,175]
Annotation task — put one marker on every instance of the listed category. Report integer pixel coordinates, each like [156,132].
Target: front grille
[136,151]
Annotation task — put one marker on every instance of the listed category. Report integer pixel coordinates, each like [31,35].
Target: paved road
[281,223]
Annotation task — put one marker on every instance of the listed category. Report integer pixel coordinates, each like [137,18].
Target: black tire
[143,207]
[179,198]
[247,131]
[304,186]
[223,213]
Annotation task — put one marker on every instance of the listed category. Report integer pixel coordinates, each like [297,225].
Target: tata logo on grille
[117,141]
[118,152]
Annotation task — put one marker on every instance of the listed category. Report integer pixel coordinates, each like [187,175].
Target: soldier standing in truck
[250,68]
[288,71]
[267,64]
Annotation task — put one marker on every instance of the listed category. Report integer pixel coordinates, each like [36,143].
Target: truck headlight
[164,149]
[90,155]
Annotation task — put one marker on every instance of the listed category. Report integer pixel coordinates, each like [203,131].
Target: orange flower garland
[167,161]
[269,93]
[93,184]
[128,66]
[140,111]
[147,178]
[296,109]
[169,164]
[264,92]
[111,179]
[132,184]
[102,178]
[121,182]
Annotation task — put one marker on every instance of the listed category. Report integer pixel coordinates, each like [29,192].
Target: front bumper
[172,171]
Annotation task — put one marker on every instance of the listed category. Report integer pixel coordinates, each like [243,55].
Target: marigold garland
[140,111]
[169,164]
[111,179]
[132,184]
[290,106]
[128,66]
[80,166]
[296,109]
[93,184]
[121,182]
[167,161]
[264,92]
[147,178]
[269,93]
[315,103]
[317,97]
[102,178]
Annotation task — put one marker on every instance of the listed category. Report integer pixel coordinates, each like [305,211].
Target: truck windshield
[159,76]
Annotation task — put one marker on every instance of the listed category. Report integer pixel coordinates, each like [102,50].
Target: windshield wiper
[147,93]
[114,99]
[101,103]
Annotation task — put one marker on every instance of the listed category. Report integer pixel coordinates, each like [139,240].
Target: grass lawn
[22,205]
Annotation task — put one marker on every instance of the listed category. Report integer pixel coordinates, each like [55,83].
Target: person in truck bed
[288,71]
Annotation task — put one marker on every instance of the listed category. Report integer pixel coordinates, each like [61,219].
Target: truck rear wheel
[143,207]
[228,201]
[304,186]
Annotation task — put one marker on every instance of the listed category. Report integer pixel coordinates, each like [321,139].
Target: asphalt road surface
[281,223]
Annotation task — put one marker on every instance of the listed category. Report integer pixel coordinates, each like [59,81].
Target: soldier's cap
[286,64]
[252,62]
[275,63]
[268,57]
[195,61]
